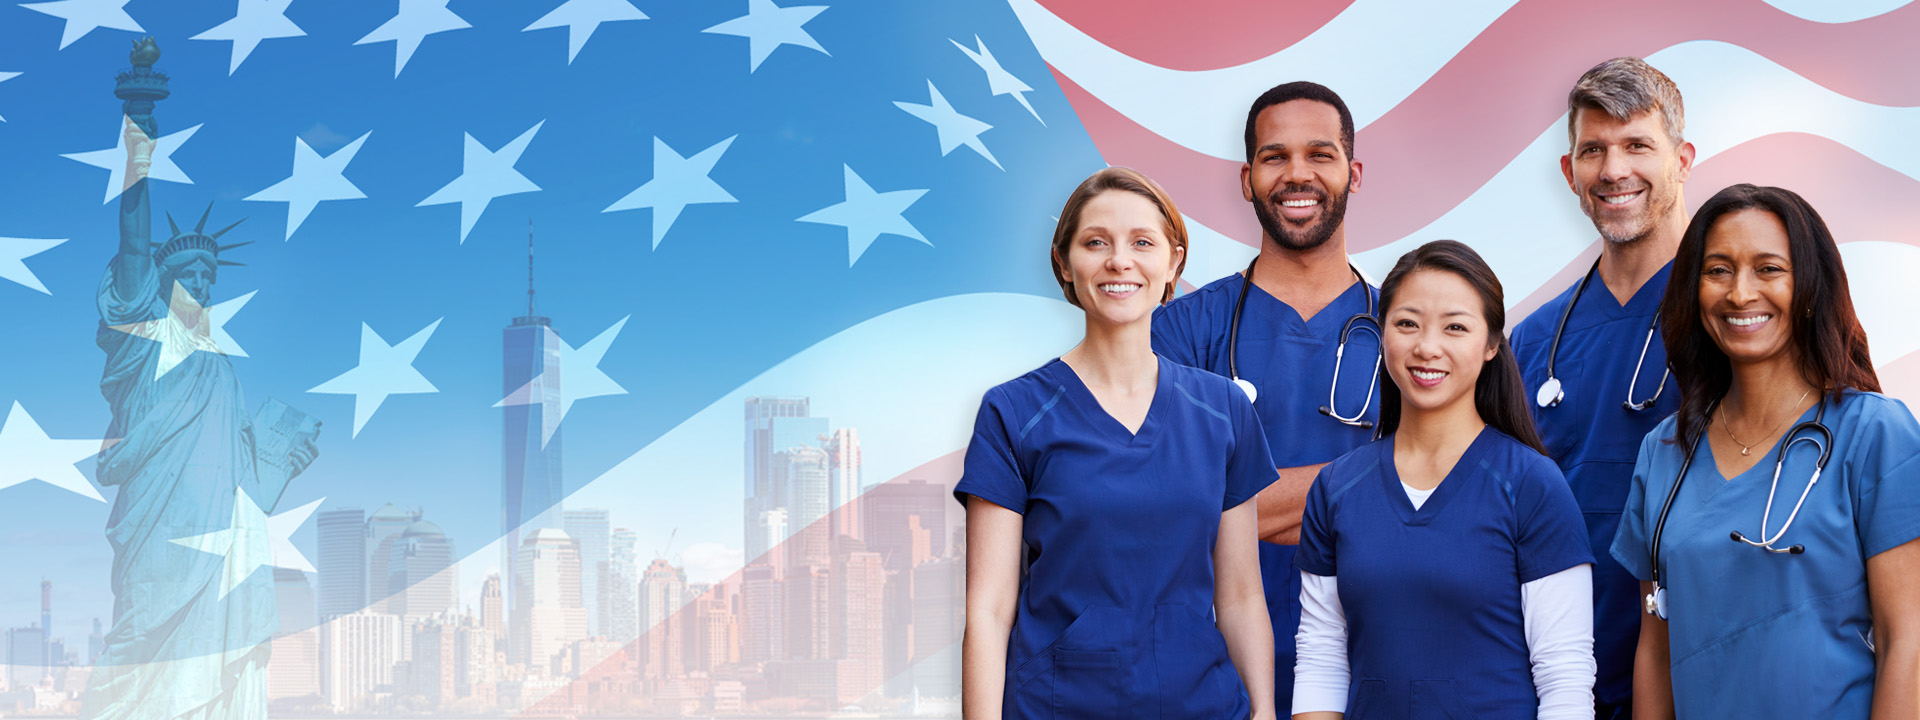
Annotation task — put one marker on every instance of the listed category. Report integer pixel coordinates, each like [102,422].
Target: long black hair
[1498,393]
[1827,339]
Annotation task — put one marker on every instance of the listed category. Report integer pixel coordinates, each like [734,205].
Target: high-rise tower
[530,458]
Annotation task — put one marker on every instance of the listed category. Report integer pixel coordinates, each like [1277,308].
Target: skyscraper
[762,615]
[422,578]
[357,654]
[493,607]
[26,647]
[804,471]
[46,624]
[383,530]
[589,528]
[342,562]
[773,424]
[549,617]
[843,482]
[889,511]
[621,611]
[294,670]
[530,473]
[859,598]
[662,592]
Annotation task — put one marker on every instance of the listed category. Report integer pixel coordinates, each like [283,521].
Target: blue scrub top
[1115,614]
[1290,362]
[1595,439]
[1758,634]
[1432,596]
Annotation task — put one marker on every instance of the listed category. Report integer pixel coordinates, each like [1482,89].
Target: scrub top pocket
[1086,684]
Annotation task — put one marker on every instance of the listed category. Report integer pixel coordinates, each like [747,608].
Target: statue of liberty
[190,623]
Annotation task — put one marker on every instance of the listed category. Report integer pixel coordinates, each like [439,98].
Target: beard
[1660,202]
[1300,238]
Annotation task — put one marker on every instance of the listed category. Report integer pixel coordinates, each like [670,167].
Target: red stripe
[1467,122]
[1235,31]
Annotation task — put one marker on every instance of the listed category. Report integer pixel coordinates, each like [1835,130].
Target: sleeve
[117,310]
[1630,541]
[1315,552]
[1173,333]
[1250,467]
[1887,509]
[991,471]
[1320,673]
[1557,612]
[1552,533]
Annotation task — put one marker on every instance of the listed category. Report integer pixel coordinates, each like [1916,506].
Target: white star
[485,175]
[315,180]
[582,17]
[578,377]
[253,21]
[955,129]
[84,16]
[677,182]
[5,76]
[867,215]
[999,81]
[767,26]
[416,20]
[114,160]
[240,543]
[187,329]
[26,453]
[13,259]
[383,370]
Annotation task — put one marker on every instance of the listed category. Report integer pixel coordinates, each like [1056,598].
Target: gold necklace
[1745,448]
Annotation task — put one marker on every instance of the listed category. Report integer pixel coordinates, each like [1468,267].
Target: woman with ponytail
[1445,567]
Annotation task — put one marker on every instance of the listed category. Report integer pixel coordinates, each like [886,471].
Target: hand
[304,453]
[139,149]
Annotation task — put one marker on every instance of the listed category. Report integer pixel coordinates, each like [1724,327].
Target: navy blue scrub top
[1753,634]
[1432,596]
[1115,614]
[1595,440]
[1290,363]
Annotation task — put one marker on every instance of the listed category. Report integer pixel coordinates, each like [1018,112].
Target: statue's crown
[199,239]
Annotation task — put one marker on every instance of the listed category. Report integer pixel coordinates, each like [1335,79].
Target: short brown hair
[1624,87]
[1125,179]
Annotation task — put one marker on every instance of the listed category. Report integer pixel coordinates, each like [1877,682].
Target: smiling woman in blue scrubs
[1126,477]
[1786,590]
[1445,566]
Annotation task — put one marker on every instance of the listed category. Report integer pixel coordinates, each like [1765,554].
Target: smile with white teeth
[1748,321]
[1119,287]
[1429,374]
[1299,203]
[1621,199]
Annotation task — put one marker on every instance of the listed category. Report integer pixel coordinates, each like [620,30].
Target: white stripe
[1829,11]
[1375,54]
[1884,294]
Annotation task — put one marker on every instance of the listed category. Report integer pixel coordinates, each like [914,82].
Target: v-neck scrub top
[1754,634]
[1115,615]
[1432,596]
[1290,362]
[1595,439]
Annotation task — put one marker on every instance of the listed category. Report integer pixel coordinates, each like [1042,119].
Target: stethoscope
[1363,321]
[1551,393]
[1818,434]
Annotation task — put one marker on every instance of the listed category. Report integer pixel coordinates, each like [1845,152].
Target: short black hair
[1301,90]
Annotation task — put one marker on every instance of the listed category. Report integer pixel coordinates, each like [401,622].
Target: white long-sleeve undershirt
[1556,612]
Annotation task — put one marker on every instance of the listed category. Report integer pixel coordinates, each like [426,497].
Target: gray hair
[1624,87]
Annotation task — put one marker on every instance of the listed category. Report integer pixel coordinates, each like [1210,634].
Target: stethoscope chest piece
[1657,603]
[1247,388]
[1550,393]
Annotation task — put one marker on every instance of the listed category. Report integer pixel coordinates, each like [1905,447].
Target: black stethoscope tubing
[1233,339]
[1551,393]
[1816,425]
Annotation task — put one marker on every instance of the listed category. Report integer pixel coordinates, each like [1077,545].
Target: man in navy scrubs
[1596,396]
[1299,171]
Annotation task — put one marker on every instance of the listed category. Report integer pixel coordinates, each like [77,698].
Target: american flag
[730,199]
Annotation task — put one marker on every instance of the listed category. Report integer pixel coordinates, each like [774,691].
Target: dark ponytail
[1498,394]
